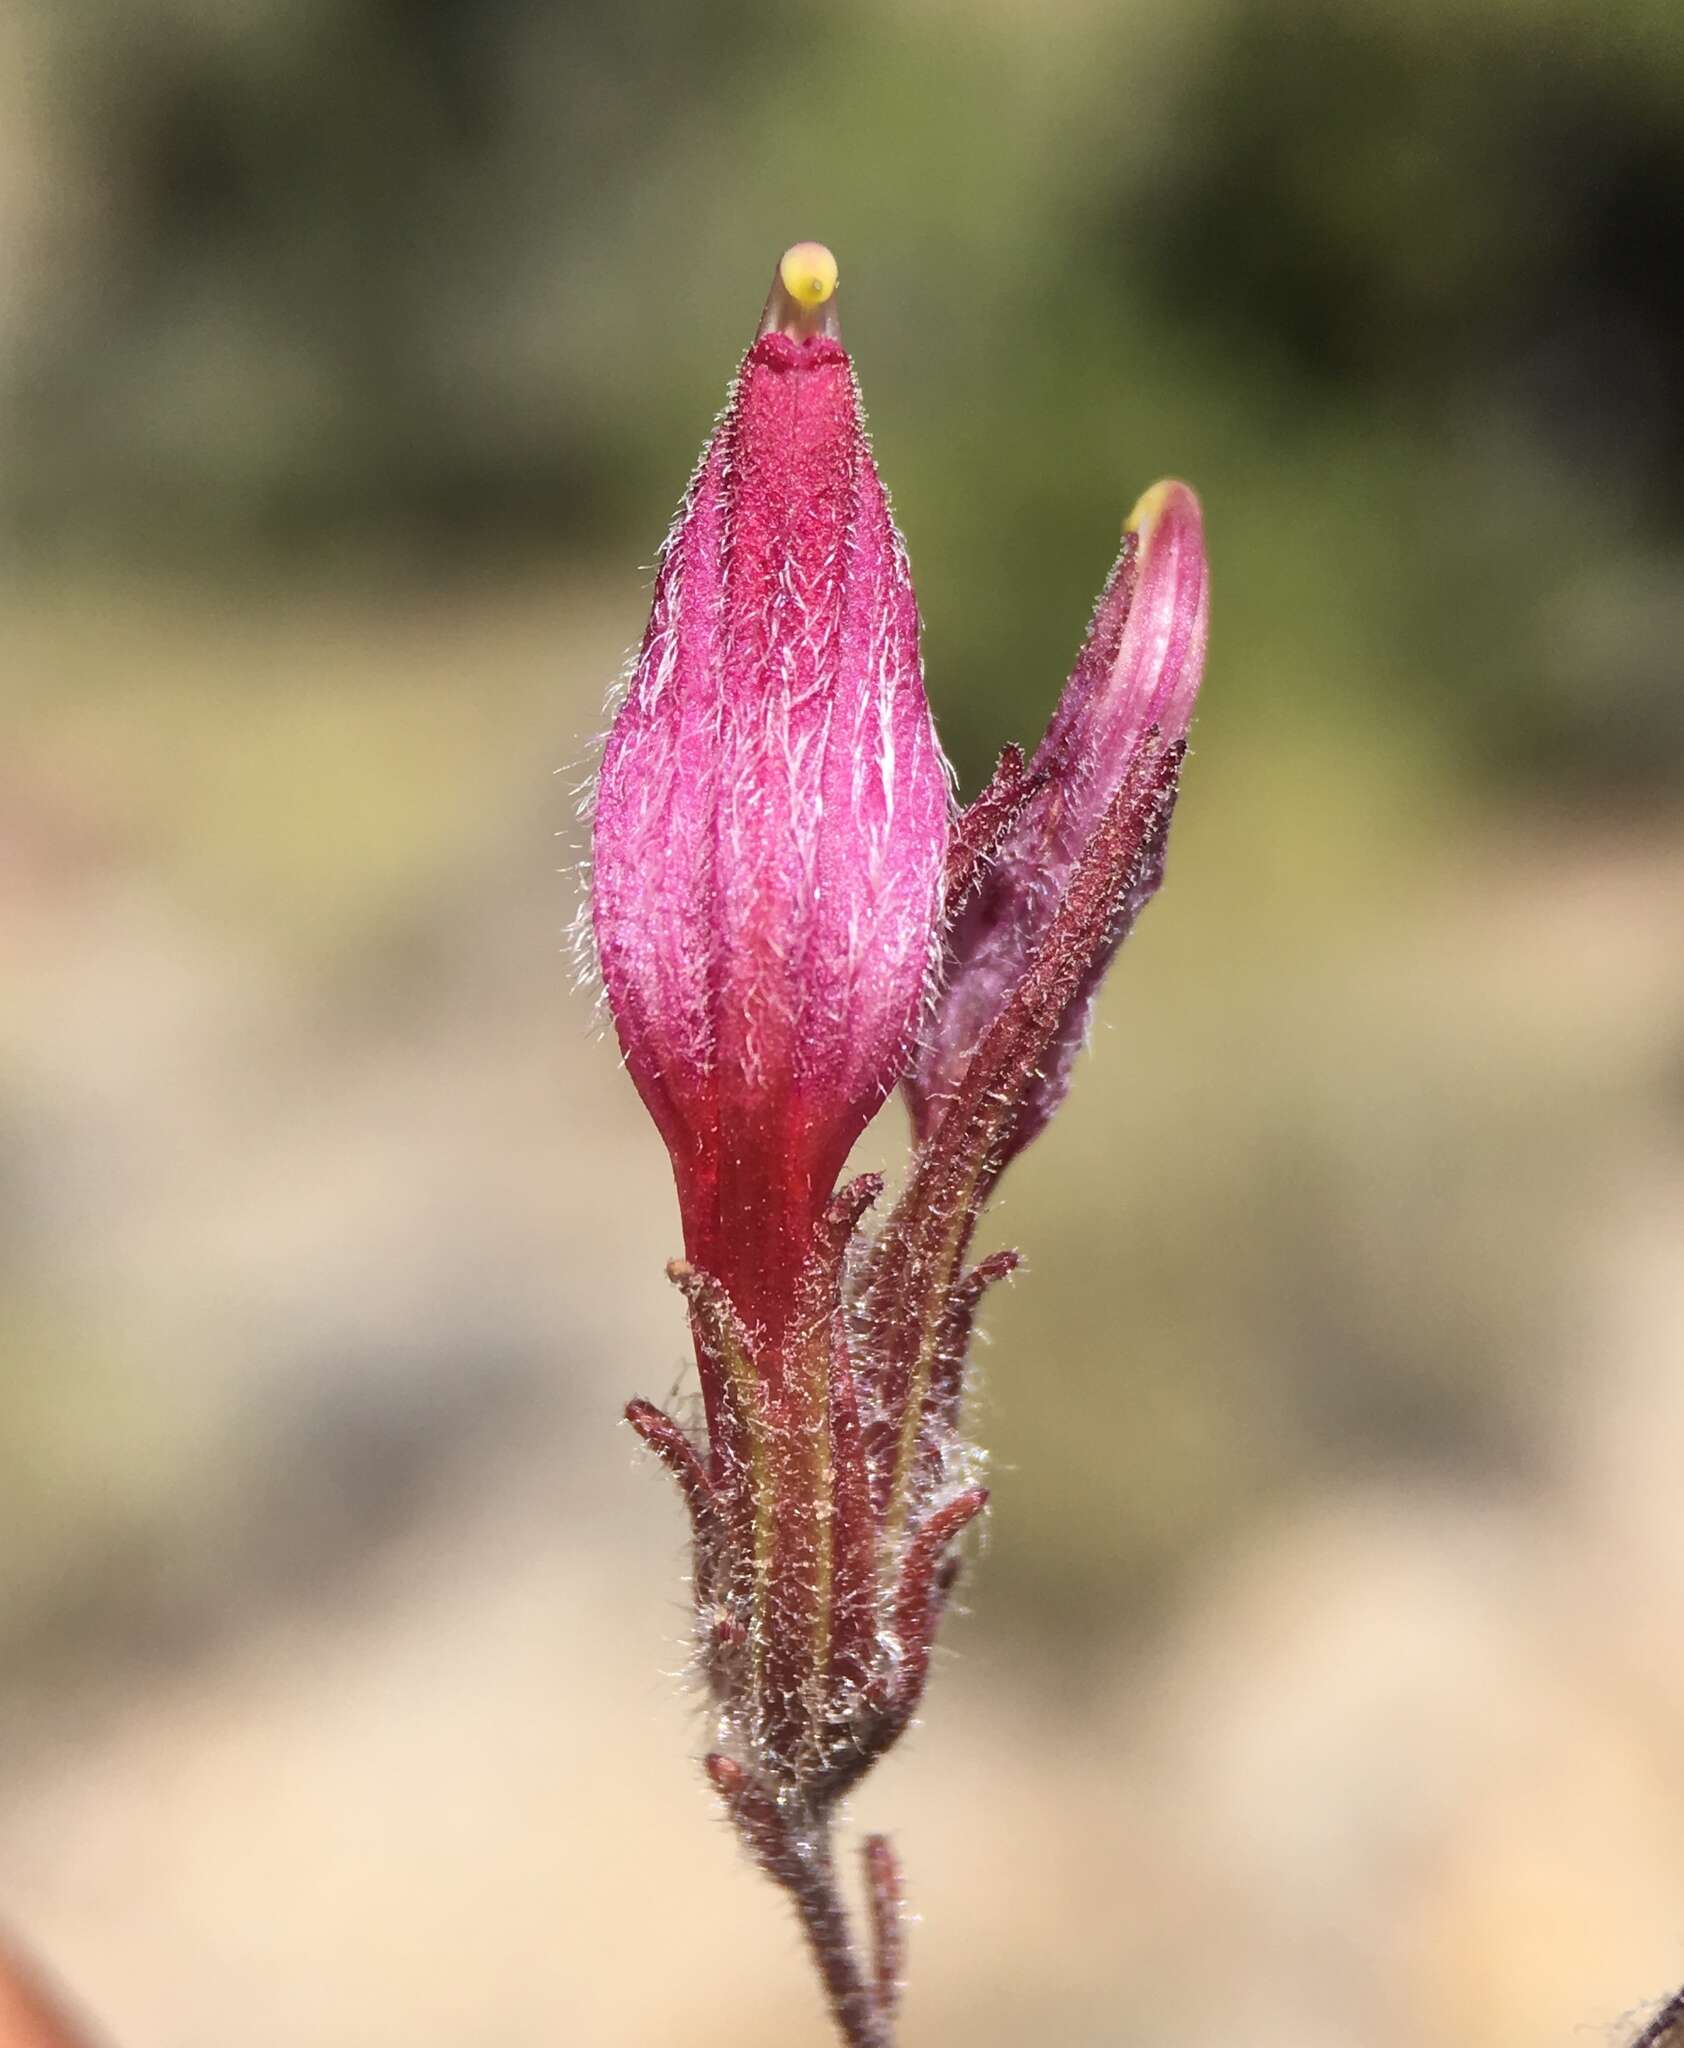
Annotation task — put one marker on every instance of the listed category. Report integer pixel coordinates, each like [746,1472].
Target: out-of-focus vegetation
[441,284]
[352,354]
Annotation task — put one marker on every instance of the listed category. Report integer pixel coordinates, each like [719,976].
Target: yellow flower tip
[802,301]
[1149,509]
[808,273]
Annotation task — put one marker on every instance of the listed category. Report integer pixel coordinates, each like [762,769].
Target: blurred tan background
[1323,1685]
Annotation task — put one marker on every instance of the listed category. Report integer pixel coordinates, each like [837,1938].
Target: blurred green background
[1324,1683]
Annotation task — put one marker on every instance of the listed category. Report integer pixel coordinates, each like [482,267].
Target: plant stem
[1659,2033]
[810,1877]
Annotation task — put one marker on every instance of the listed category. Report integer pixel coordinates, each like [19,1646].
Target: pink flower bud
[775,853]
[773,811]
[1130,696]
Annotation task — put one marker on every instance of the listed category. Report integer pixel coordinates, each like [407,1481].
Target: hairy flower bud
[775,853]
[773,811]
[1129,697]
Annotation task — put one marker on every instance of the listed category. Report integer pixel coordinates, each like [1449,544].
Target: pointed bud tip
[1168,497]
[802,301]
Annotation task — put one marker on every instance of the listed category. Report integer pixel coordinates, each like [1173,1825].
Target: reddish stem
[885,1900]
[811,1882]
[794,1848]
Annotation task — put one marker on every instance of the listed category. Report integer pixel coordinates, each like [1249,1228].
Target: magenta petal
[772,819]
